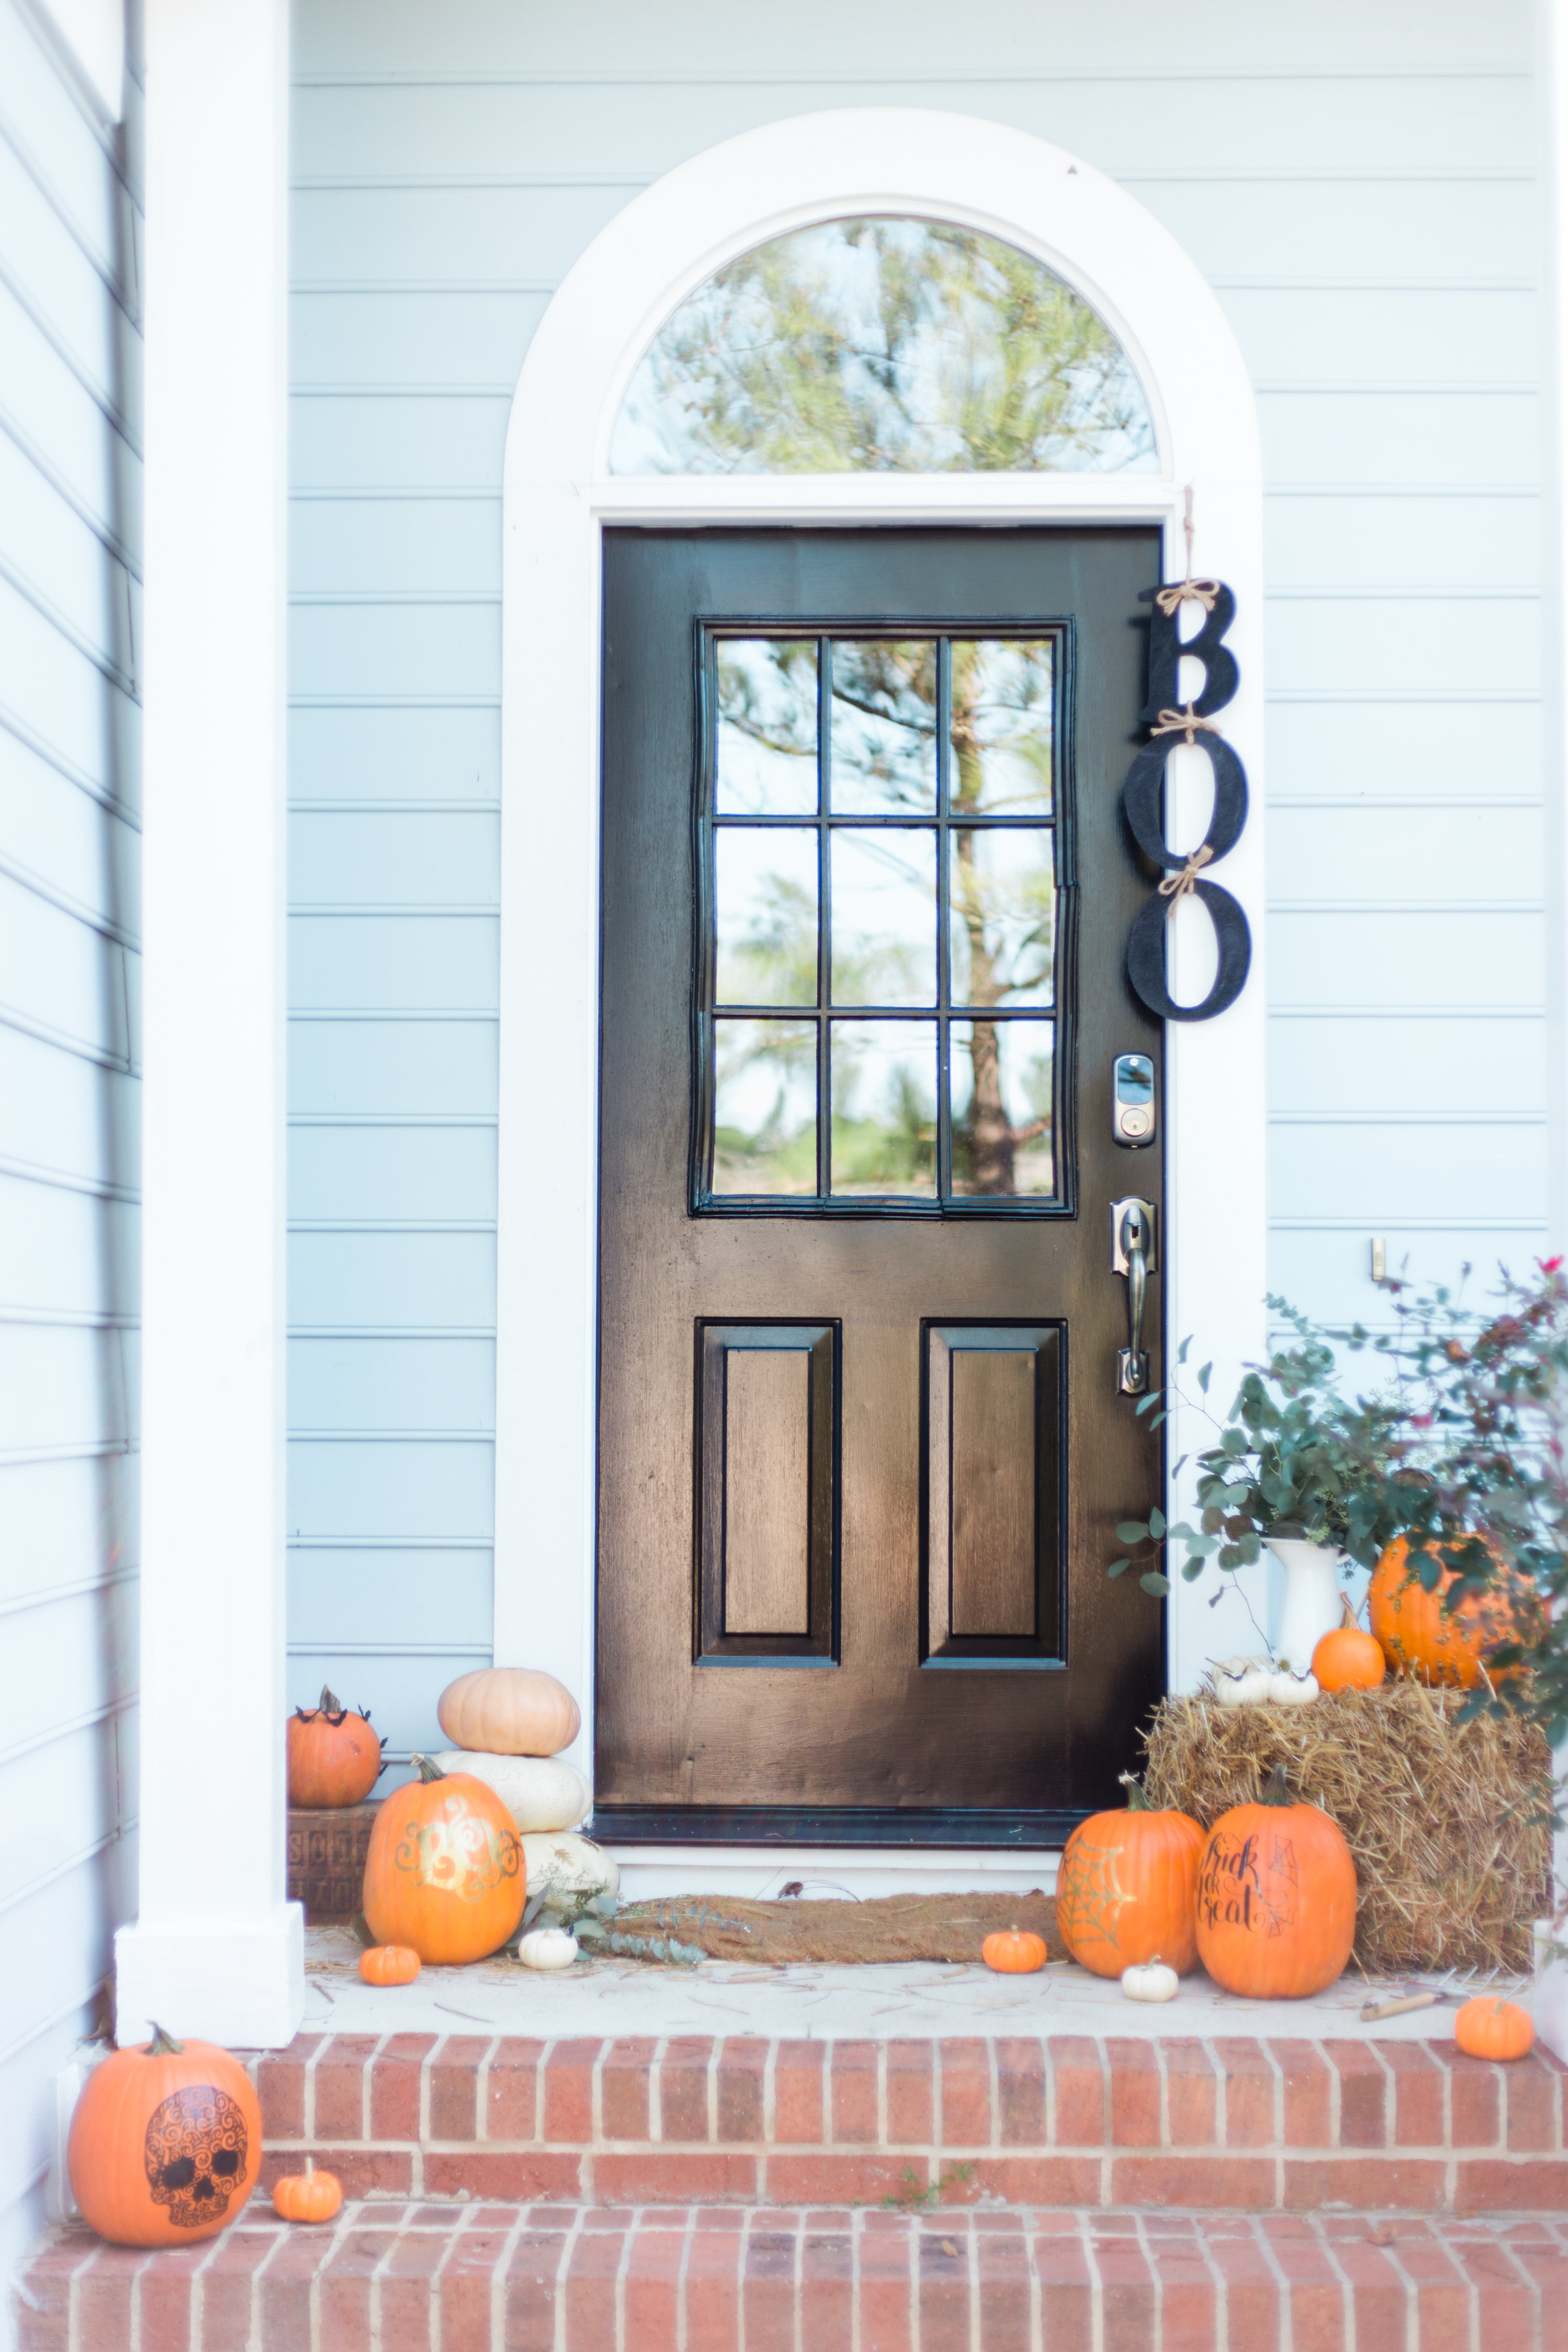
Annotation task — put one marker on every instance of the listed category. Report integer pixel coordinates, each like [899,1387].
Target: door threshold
[654,1872]
[1000,1830]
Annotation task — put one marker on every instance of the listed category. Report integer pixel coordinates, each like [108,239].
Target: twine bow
[1183,722]
[1178,886]
[1187,591]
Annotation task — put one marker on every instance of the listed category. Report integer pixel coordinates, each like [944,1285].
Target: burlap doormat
[886,1927]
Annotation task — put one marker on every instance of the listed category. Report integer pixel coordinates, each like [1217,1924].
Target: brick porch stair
[622,2195]
[398,2277]
[1060,2120]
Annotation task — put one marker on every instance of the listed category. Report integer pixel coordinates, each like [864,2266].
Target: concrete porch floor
[616,1998]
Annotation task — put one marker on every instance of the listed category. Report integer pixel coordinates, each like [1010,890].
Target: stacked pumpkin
[1265,1900]
[446,1877]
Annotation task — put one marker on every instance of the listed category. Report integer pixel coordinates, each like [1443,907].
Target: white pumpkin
[568,1865]
[547,1947]
[509,1711]
[1154,1982]
[1288,1688]
[540,1792]
[1242,1682]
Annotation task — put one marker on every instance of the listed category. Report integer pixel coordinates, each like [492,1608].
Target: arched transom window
[884,345]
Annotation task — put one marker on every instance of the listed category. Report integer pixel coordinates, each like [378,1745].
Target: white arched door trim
[558,498]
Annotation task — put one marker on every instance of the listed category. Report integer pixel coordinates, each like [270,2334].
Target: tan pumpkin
[509,1711]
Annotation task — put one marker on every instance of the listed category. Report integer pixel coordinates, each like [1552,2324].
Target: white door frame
[558,496]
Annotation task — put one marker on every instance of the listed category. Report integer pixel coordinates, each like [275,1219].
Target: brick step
[506,2278]
[1061,2120]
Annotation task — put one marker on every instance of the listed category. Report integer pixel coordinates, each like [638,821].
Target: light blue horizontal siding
[1355,181]
[70,750]
[366,752]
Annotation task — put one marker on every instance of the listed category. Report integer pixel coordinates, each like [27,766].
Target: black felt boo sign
[1169,722]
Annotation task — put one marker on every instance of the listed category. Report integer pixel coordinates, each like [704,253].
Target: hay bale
[1450,1823]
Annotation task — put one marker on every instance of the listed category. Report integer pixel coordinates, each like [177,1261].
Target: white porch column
[215,1952]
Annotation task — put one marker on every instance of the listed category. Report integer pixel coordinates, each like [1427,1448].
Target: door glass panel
[884,345]
[1001,726]
[884,1108]
[764,1108]
[899,860]
[884,917]
[1002,903]
[884,727]
[765,762]
[1002,1084]
[764,897]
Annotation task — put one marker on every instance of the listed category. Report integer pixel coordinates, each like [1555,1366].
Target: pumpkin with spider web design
[1127,1888]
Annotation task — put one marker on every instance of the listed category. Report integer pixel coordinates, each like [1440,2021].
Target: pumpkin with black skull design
[166,2143]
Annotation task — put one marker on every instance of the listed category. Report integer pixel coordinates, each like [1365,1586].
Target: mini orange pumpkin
[389,1964]
[444,1872]
[1014,1952]
[1276,1894]
[1126,1887]
[306,2197]
[1421,1636]
[166,2143]
[1494,2029]
[1348,1659]
[334,1757]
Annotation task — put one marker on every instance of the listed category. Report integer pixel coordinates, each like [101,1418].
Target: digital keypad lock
[1132,1113]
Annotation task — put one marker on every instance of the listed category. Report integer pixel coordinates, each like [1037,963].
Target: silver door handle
[1132,1254]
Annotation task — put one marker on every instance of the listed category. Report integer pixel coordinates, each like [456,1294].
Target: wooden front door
[861,1444]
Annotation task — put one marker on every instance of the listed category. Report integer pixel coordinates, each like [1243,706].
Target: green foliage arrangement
[1462,1450]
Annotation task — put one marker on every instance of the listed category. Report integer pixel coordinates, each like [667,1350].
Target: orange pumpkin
[1126,1887]
[1421,1636]
[334,1757]
[166,2143]
[444,1872]
[1494,2029]
[389,1964]
[306,2197]
[1348,1659]
[1276,1897]
[1014,1952]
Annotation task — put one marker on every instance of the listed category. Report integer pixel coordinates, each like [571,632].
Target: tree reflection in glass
[884,1108]
[764,1109]
[1002,1080]
[765,762]
[903,715]
[884,345]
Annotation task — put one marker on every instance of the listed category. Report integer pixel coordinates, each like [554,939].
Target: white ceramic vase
[1311,1598]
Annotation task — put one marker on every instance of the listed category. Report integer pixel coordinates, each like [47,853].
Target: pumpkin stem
[1137,1802]
[164,2045]
[1348,1622]
[1276,1789]
[428,1770]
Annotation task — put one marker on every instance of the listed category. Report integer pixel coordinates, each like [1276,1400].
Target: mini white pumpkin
[1288,1688]
[1154,1982]
[1242,1682]
[548,1947]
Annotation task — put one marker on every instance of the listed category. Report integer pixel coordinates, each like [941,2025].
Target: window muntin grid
[879,1001]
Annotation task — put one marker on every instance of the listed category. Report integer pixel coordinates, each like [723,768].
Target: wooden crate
[327,1849]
